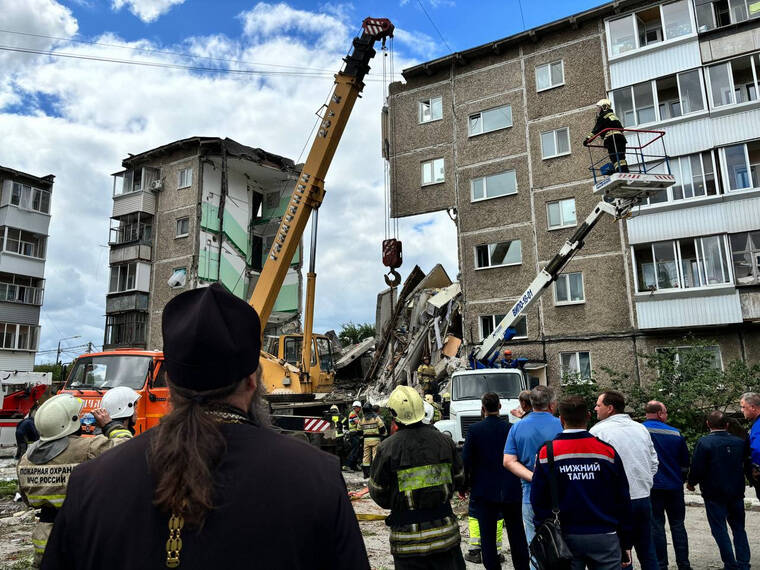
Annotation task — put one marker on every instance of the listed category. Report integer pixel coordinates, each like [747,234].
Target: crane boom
[309,189]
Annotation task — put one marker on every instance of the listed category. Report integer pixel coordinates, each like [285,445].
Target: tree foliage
[57,369]
[351,333]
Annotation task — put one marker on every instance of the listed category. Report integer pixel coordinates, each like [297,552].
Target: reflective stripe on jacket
[372,427]
[353,421]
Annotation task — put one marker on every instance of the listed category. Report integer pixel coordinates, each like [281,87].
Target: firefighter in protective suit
[372,428]
[43,473]
[121,404]
[614,139]
[414,475]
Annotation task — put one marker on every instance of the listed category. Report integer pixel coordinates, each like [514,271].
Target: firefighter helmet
[429,398]
[58,417]
[604,103]
[446,396]
[356,404]
[407,405]
[334,408]
[429,413]
[120,402]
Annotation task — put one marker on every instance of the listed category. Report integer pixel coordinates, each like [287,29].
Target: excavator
[299,366]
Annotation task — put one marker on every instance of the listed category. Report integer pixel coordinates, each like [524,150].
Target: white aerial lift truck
[620,193]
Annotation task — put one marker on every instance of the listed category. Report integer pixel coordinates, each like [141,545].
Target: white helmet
[356,404]
[120,402]
[58,417]
[429,411]
[604,103]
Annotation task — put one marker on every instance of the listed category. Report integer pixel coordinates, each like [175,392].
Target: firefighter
[354,435]
[446,405]
[121,404]
[426,376]
[414,475]
[372,428]
[338,429]
[43,473]
[436,408]
[614,139]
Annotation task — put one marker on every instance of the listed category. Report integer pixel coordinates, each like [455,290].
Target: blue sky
[78,119]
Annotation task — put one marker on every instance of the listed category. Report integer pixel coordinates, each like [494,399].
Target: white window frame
[678,173]
[482,131]
[26,197]
[432,119]
[495,320]
[566,277]
[577,354]
[556,146]
[187,174]
[34,336]
[665,41]
[432,163]
[480,268]
[678,260]
[562,224]
[733,20]
[724,169]
[754,253]
[473,199]
[119,268]
[755,75]
[549,66]
[180,234]
[677,351]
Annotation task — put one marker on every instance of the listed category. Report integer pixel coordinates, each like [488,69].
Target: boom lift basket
[648,165]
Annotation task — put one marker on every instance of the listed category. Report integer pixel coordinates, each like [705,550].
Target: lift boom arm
[309,189]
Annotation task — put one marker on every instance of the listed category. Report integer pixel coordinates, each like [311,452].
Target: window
[717,13]
[430,110]
[741,166]
[735,81]
[128,329]
[745,251]
[123,278]
[492,186]
[555,143]
[679,353]
[183,227]
[498,254]
[682,264]
[432,171]
[561,213]
[550,75]
[30,198]
[25,243]
[184,178]
[659,100]
[18,337]
[20,289]
[649,26]
[490,120]
[488,324]
[575,364]
[695,178]
[568,289]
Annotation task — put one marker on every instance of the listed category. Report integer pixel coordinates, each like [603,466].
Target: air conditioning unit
[157,184]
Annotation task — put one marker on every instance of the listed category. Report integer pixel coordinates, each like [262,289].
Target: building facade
[495,134]
[24,221]
[187,214]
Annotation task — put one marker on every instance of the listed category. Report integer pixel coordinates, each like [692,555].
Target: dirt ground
[17,521]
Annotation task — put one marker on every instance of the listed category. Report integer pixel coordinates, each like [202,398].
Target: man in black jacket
[414,474]
[495,492]
[717,466]
[613,138]
[211,486]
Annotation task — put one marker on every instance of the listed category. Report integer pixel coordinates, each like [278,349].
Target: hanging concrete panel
[690,311]
[655,63]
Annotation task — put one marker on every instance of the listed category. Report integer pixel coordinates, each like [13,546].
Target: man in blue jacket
[667,491]
[593,498]
[750,404]
[495,492]
[718,468]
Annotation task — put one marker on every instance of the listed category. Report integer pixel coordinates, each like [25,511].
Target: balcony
[23,294]
[132,202]
[719,307]
[135,301]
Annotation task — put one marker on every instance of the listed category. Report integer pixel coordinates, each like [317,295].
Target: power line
[522,17]
[434,26]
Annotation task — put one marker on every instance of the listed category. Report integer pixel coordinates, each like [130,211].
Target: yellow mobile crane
[282,378]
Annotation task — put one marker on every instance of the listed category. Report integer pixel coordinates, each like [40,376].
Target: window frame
[732,20]
[549,66]
[33,336]
[485,186]
[188,177]
[475,253]
[577,354]
[177,234]
[717,175]
[26,197]
[420,103]
[724,168]
[753,252]
[676,350]
[566,277]
[495,321]
[432,162]
[556,146]
[119,268]
[482,131]
[562,225]
[732,86]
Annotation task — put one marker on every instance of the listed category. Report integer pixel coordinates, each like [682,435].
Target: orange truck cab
[94,373]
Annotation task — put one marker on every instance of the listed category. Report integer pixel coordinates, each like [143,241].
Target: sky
[79,117]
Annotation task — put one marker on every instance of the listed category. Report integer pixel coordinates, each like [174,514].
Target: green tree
[56,369]
[351,333]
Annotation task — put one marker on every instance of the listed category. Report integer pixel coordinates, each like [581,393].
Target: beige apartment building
[494,135]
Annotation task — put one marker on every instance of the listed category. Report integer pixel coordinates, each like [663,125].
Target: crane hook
[392,279]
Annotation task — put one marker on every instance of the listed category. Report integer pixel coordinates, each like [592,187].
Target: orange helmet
[507,352]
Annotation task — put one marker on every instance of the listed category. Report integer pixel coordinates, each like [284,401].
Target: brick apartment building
[190,213]
[495,134]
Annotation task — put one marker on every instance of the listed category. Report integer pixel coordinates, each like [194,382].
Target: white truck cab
[468,387]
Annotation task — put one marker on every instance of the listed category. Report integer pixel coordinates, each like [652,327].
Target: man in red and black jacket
[594,503]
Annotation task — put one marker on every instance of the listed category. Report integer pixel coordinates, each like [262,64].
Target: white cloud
[147,10]
[418,43]
[104,111]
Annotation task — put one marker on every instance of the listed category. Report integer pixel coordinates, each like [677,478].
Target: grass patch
[8,488]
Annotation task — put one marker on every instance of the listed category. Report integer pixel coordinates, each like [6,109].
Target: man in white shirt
[632,441]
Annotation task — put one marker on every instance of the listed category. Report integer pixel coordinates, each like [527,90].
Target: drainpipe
[222,200]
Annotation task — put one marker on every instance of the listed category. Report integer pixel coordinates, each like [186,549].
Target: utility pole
[58,352]
[89,347]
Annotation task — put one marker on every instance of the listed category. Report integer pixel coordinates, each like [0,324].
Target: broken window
[550,75]
[555,143]
[489,322]
[490,120]
[501,184]
[561,213]
[123,278]
[734,81]
[649,26]
[745,251]
[128,329]
[432,171]
[25,243]
[498,254]
[575,365]
[30,198]
[430,109]
[184,178]
[568,289]
[20,289]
